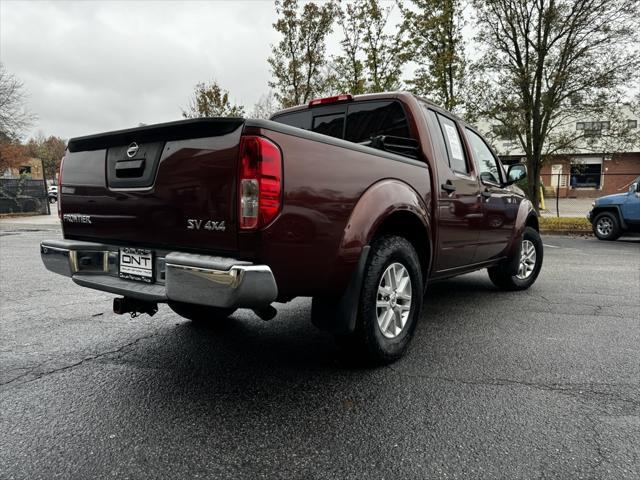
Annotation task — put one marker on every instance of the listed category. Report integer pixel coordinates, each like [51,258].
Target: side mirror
[633,187]
[516,172]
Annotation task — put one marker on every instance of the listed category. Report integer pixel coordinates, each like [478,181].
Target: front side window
[371,119]
[485,161]
[452,139]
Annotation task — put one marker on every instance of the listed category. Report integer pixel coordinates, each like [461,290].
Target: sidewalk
[568,207]
[48,222]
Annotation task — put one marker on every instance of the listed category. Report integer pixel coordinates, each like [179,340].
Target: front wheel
[390,303]
[606,226]
[527,265]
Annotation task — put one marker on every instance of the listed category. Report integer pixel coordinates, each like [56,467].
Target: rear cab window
[357,122]
[366,120]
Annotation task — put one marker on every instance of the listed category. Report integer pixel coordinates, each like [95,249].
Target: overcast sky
[92,66]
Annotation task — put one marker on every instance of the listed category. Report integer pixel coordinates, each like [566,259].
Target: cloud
[91,67]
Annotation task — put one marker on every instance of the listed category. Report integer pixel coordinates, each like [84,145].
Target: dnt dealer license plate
[136,264]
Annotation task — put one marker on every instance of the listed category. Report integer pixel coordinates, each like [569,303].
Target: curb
[587,233]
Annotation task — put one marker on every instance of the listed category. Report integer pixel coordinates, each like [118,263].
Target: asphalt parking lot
[536,384]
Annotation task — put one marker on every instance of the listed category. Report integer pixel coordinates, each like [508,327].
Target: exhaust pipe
[266,313]
[134,306]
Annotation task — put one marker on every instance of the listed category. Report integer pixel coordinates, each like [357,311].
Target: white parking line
[550,246]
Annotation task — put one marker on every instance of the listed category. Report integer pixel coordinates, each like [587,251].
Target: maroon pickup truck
[358,202]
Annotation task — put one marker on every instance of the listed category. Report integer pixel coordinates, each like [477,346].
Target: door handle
[448,187]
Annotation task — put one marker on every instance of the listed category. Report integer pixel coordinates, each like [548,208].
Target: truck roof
[373,96]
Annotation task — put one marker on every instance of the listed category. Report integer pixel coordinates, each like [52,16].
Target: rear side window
[297,119]
[370,119]
[331,125]
[457,160]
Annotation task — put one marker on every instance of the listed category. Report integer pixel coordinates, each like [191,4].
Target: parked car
[358,202]
[613,215]
[52,193]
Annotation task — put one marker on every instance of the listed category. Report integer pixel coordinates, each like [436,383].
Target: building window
[586,175]
[632,123]
[593,128]
[24,170]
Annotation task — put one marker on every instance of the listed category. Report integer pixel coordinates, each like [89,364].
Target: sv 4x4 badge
[194,224]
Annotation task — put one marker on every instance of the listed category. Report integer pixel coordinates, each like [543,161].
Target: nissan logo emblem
[132,150]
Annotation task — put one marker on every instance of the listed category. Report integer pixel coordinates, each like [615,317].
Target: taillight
[60,189]
[260,182]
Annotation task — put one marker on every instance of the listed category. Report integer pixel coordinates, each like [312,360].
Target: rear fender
[378,203]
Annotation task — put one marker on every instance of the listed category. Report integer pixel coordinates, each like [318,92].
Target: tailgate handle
[129,168]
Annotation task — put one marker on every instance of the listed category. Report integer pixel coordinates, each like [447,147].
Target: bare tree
[210,100]
[14,116]
[547,62]
[265,106]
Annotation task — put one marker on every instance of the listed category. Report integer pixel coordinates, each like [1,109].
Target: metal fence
[23,195]
[571,195]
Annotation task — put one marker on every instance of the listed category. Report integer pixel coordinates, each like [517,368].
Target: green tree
[348,74]
[384,52]
[435,44]
[546,62]
[12,153]
[50,150]
[372,57]
[210,100]
[297,61]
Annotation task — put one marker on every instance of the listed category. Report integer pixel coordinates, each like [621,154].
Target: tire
[502,275]
[200,314]
[395,259]
[606,226]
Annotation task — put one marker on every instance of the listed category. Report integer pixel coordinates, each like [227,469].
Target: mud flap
[512,264]
[339,316]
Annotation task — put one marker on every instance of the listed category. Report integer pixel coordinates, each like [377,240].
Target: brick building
[32,168]
[585,172]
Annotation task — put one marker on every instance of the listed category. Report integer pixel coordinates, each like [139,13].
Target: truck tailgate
[168,185]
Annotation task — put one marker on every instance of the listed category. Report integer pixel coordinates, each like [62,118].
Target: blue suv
[613,215]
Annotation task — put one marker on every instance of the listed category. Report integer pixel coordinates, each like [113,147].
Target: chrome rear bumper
[181,277]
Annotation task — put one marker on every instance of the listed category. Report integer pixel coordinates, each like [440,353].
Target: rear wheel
[606,226]
[390,303]
[200,313]
[527,266]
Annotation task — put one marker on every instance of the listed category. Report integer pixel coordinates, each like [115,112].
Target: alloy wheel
[527,260]
[604,226]
[393,301]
